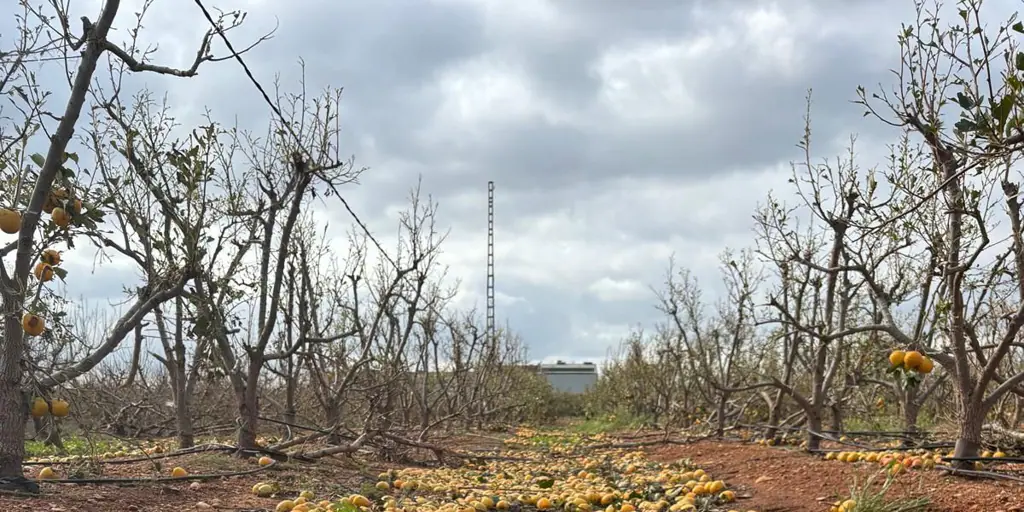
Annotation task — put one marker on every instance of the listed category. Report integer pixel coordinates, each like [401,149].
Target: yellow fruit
[926,365]
[896,357]
[43,272]
[10,221]
[501,505]
[359,500]
[307,495]
[265,461]
[60,217]
[47,473]
[263,490]
[607,499]
[382,486]
[626,507]
[999,454]
[32,324]
[912,360]
[543,504]
[39,408]
[487,502]
[59,408]
[285,506]
[178,472]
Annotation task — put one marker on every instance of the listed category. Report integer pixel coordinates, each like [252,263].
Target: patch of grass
[870,497]
[216,462]
[886,423]
[608,424]
[74,445]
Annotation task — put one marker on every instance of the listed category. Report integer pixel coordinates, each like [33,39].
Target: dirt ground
[781,480]
[766,479]
[329,477]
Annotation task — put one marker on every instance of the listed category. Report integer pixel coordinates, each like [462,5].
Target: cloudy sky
[617,132]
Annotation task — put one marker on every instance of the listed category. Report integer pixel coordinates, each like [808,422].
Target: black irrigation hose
[896,449]
[176,453]
[980,474]
[154,480]
[997,460]
[863,433]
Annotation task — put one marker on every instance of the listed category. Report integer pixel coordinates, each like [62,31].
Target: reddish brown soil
[778,479]
[326,479]
[767,480]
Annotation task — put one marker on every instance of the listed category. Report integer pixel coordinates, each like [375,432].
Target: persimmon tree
[715,343]
[163,199]
[814,302]
[47,182]
[968,71]
[267,183]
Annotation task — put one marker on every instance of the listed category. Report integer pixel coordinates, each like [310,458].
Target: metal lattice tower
[490,261]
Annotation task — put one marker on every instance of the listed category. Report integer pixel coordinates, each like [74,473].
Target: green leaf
[546,483]
[1019,27]
[71,156]
[1001,111]
[1019,61]
[60,272]
[964,101]
[965,126]
[38,159]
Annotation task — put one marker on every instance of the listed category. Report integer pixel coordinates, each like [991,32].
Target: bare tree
[972,163]
[35,186]
[261,209]
[715,346]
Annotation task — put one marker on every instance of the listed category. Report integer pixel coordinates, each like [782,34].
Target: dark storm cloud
[741,117]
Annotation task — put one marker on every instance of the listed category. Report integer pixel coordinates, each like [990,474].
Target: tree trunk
[333,413]
[53,437]
[290,412]
[911,409]
[968,441]
[774,416]
[183,412]
[13,402]
[248,407]
[720,412]
[837,417]
[813,426]
[1018,413]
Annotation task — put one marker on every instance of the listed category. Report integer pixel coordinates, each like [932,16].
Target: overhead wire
[277,112]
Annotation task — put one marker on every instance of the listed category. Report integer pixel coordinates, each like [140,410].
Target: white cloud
[651,82]
[610,290]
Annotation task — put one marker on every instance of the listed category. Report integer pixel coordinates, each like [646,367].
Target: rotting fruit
[50,257]
[32,324]
[54,199]
[43,272]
